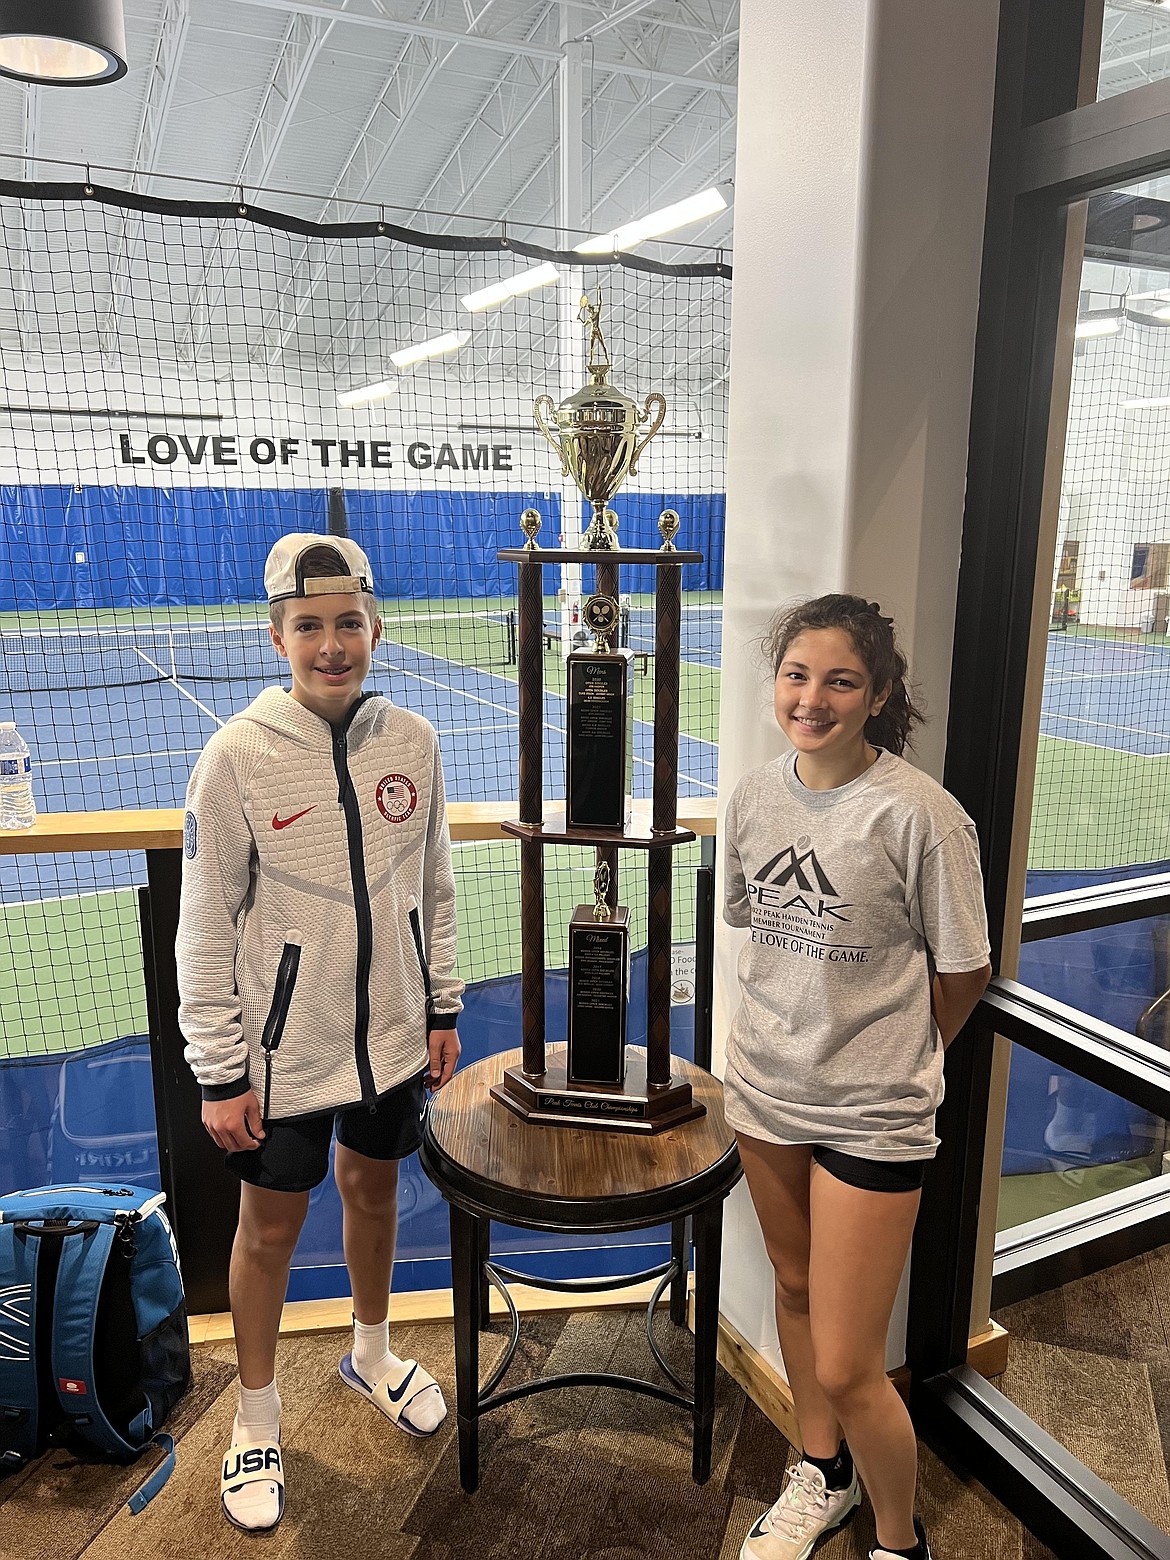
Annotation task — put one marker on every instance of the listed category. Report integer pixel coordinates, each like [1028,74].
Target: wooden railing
[162,828]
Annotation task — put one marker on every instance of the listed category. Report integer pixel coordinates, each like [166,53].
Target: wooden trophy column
[646,1099]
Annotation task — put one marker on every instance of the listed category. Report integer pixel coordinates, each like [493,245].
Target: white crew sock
[257,1419]
[373,1358]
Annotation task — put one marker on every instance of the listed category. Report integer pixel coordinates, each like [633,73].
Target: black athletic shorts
[872,1175]
[294,1155]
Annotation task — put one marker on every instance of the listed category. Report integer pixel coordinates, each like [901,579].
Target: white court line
[1102,747]
[56,899]
[116,758]
[647,763]
[1146,671]
[178,686]
[1101,725]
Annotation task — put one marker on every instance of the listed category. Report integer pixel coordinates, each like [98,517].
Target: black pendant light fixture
[62,43]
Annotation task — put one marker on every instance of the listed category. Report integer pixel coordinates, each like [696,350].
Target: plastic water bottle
[17,808]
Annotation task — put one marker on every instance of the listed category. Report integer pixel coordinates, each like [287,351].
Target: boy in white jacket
[315,953]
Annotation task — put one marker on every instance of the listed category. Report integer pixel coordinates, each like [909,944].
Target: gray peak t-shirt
[854,897]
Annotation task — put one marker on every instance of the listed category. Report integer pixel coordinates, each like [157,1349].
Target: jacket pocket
[416,933]
[286,979]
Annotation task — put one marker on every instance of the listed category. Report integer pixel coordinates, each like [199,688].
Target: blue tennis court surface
[1108,694]
[131,747]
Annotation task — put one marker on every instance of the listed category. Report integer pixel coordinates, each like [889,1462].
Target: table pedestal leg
[483,1285]
[708,1238]
[678,1284]
[466,1268]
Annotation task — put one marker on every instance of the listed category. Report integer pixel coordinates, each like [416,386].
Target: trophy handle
[543,401]
[655,397]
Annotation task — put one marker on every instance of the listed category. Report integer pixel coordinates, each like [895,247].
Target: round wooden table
[490,1164]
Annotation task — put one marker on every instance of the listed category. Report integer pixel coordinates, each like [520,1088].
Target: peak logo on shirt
[786,866]
[795,881]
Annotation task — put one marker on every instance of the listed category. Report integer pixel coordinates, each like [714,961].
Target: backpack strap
[19,1401]
[150,1487]
[84,1254]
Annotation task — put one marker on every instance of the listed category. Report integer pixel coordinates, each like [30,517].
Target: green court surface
[1095,807]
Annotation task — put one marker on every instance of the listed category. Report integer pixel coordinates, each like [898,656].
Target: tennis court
[116,717]
[1103,765]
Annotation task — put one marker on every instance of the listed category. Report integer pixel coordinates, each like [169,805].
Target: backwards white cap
[284,576]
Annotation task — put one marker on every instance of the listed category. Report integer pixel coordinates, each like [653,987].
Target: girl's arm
[953,999]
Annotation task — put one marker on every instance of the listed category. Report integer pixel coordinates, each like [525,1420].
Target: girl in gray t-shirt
[859,879]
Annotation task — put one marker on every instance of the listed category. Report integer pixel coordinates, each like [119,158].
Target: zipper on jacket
[348,801]
[416,932]
[286,978]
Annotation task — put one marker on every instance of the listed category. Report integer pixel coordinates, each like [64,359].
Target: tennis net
[61,659]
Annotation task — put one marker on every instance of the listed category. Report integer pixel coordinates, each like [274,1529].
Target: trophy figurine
[599,445]
[530,523]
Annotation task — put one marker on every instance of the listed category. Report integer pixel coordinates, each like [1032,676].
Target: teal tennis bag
[93,1325]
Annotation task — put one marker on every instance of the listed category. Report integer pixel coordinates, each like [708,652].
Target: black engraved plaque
[599,980]
[601,739]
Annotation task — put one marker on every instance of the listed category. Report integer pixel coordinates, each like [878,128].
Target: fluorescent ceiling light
[708,204]
[66,43]
[1101,325]
[365,393]
[513,287]
[451,342]
[1148,401]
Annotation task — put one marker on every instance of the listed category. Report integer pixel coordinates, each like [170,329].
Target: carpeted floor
[564,1475]
[1090,1363]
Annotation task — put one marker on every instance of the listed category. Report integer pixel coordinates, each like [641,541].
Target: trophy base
[552,1101]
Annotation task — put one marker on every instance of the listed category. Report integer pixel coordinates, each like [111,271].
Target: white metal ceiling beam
[475,40]
[510,130]
[162,77]
[23,215]
[396,101]
[295,58]
[270,353]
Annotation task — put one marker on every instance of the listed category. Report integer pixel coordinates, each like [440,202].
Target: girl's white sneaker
[806,1510]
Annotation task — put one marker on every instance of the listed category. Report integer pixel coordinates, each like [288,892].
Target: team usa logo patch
[396,798]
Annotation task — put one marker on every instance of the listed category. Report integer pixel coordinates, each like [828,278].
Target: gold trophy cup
[599,444]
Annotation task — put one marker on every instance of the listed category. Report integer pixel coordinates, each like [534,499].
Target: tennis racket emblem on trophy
[598,426]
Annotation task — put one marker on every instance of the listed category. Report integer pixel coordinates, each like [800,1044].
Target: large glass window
[1101,803]
[1135,46]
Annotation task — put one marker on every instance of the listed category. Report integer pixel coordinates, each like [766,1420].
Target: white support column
[860,190]
[570,220]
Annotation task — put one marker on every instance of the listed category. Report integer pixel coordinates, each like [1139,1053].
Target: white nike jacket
[316,941]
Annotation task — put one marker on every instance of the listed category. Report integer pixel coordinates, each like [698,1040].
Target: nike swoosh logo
[282,823]
[406,1380]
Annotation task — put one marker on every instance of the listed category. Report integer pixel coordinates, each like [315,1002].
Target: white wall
[860,190]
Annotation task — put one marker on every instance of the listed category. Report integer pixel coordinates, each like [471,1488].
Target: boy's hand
[234,1124]
[443,1049]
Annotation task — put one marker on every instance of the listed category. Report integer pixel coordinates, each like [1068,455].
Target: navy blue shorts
[872,1175]
[294,1156]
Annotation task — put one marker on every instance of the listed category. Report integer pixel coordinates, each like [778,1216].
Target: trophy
[599,445]
[600,743]
[599,981]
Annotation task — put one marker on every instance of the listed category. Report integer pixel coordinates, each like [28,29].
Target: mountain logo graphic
[802,871]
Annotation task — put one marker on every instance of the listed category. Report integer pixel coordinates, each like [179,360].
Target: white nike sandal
[401,1386]
[252,1462]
